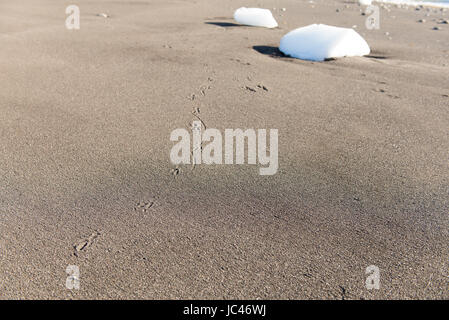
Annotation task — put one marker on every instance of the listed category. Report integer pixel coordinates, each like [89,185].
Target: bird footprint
[144,206]
[84,244]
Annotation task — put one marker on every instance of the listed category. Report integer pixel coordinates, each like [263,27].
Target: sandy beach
[86,178]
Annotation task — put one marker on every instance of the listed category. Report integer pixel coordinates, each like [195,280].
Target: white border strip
[415,3]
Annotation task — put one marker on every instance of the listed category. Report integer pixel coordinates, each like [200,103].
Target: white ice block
[318,42]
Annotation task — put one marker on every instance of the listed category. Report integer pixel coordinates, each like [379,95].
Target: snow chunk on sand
[255,17]
[366,2]
[318,42]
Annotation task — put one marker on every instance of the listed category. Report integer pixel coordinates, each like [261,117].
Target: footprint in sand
[343,292]
[393,96]
[259,87]
[241,62]
[202,90]
[2,248]
[84,244]
[195,113]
